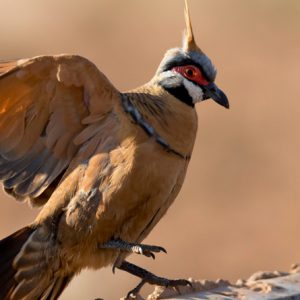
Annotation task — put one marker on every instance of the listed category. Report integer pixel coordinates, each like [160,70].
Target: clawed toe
[148,277]
[147,250]
[134,292]
[179,282]
[163,282]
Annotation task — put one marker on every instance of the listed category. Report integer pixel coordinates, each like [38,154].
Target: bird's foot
[146,250]
[148,277]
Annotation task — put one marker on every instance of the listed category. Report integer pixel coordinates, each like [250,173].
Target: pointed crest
[189,43]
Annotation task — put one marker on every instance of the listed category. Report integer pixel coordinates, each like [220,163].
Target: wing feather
[45,102]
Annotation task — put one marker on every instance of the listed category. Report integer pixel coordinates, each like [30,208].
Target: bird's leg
[148,277]
[142,249]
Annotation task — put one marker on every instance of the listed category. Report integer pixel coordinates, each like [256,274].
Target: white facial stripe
[173,79]
[194,91]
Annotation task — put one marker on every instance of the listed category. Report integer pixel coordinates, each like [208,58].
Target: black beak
[213,92]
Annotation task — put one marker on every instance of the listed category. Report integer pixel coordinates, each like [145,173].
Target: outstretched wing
[43,102]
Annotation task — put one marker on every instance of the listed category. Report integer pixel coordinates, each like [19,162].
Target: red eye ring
[191,73]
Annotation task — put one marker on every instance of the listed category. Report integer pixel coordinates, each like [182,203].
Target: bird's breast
[144,182]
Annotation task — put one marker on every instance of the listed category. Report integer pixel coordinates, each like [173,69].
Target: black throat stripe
[150,131]
[181,93]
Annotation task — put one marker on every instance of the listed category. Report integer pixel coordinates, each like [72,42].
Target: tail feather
[9,248]
[11,245]
[57,289]
[29,266]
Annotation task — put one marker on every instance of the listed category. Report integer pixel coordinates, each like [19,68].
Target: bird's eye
[190,72]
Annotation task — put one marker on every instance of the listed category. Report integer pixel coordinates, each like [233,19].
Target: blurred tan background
[239,209]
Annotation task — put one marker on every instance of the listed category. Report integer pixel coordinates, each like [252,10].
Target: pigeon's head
[188,74]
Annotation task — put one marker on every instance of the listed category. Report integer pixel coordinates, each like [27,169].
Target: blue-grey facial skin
[178,57]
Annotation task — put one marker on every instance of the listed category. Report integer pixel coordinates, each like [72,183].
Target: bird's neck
[160,113]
